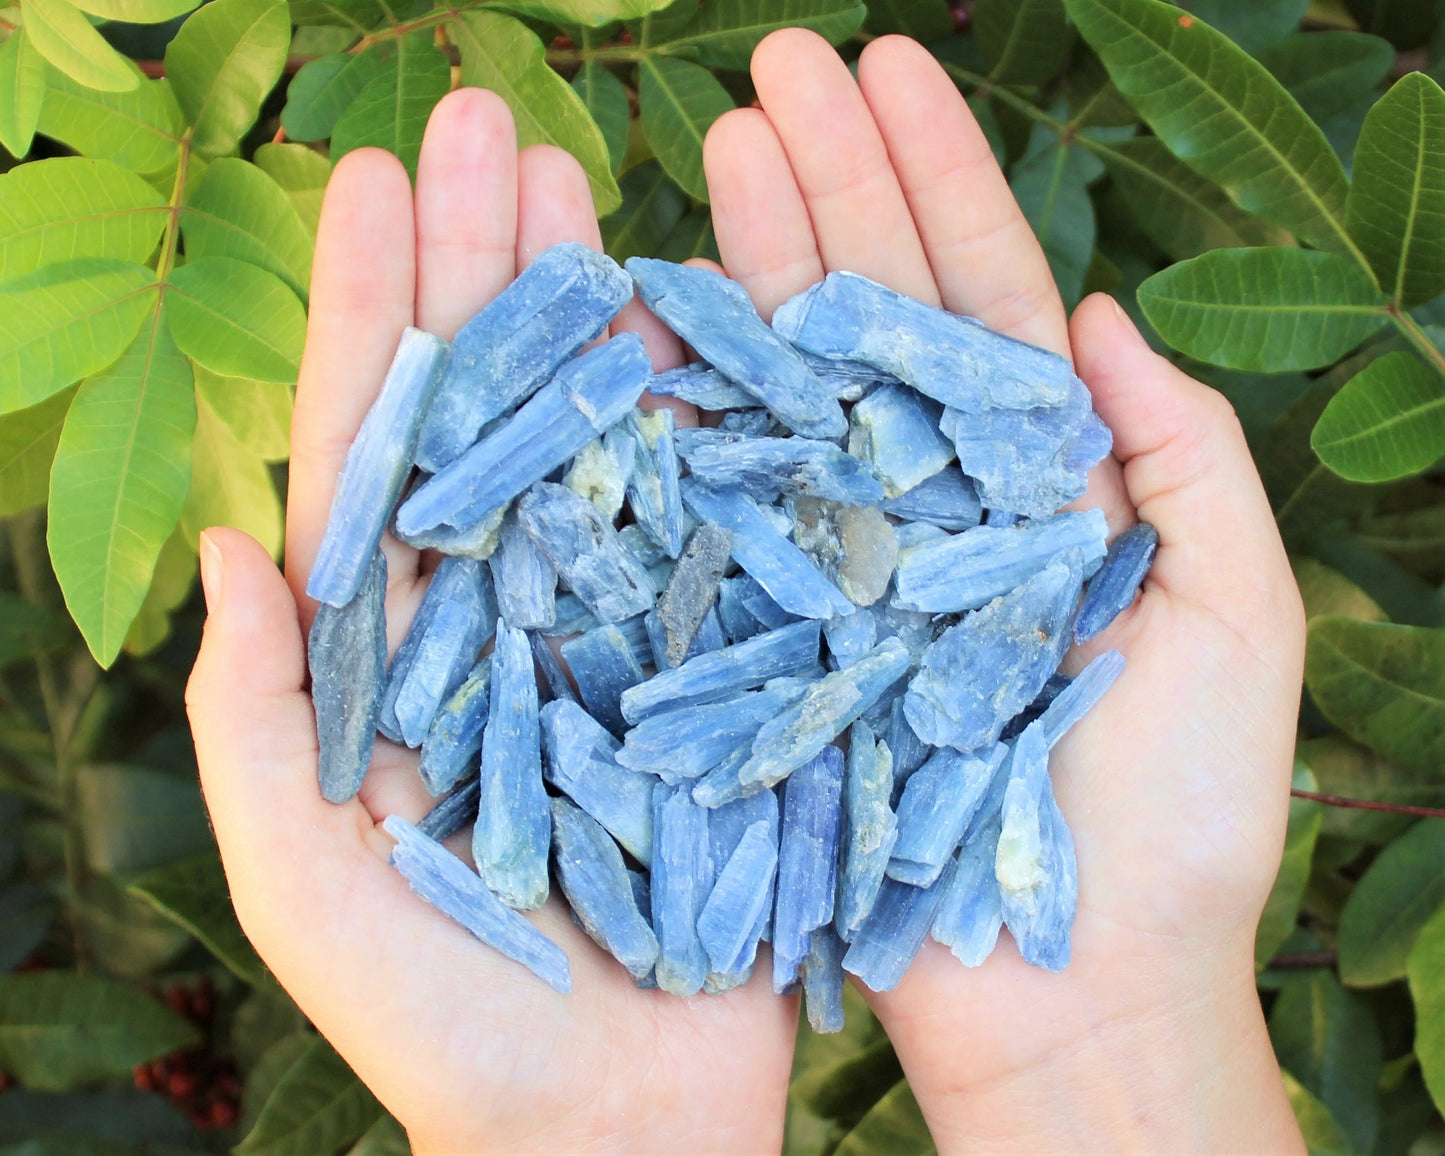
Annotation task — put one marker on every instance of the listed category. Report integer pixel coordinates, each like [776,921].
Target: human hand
[467,1049]
[1176,785]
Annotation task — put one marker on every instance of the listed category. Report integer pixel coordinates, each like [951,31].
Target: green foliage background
[1260,182]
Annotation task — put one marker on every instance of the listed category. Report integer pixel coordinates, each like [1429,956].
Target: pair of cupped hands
[1176,786]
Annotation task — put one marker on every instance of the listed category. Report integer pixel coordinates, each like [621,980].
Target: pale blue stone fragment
[709,637]
[887,941]
[849,638]
[376,468]
[346,653]
[768,614]
[637,543]
[574,618]
[971,913]
[447,884]
[909,751]
[1111,591]
[896,433]
[588,395]
[701,385]
[556,305]
[967,570]
[987,668]
[938,802]
[1080,696]
[715,316]
[779,567]
[766,467]
[447,651]
[1055,686]
[720,674]
[652,492]
[870,827]
[732,917]
[455,735]
[479,542]
[946,499]
[524,579]
[453,811]
[827,708]
[726,825]
[952,359]
[739,623]
[601,470]
[913,534]
[807,861]
[594,879]
[554,678]
[821,973]
[513,830]
[751,423]
[681,882]
[846,380]
[603,664]
[1000,519]
[580,764]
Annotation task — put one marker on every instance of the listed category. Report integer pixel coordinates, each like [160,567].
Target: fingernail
[212,572]
[1127,321]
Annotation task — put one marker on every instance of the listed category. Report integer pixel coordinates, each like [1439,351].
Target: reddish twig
[1370,805]
[280,137]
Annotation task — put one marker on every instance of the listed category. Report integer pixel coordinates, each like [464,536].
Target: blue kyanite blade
[896,432]
[604,666]
[594,879]
[939,801]
[732,917]
[445,882]
[716,317]
[692,588]
[479,542]
[446,653]
[1079,697]
[653,490]
[871,828]
[884,945]
[1111,590]
[821,973]
[601,470]
[376,469]
[455,735]
[559,303]
[580,763]
[950,358]
[346,653]
[946,499]
[971,912]
[453,811]
[681,883]
[807,861]
[850,638]
[589,394]
[525,581]
[705,387]
[766,467]
[725,829]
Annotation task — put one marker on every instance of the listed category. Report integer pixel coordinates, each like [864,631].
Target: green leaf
[1051,187]
[392,107]
[1327,72]
[171,582]
[317,1105]
[1383,916]
[135,818]
[921,19]
[22,89]
[1404,23]
[1321,1133]
[26,913]
[1263,309]
[384,1138]
[1387,422]
[238,211]
[1282,907]
[359,15]
[1023,41]
[59,1030]
[56,210]
[258,413]
[504,55]
[230,486]
[1396,207]
[61,33]
[265,1017]
[323,90]
[679,101]
[65,321]
[587,13]
[302,173]
[222,64]
[605,99]
[1352,772]
[93,1123]
[723,33]
[1416,538]
[236,319]
[1426,969]
[193,893]
[1253,27]
[128,933]
[846,1089]
[139,130]
[893,1127]
[119,481]
[27,447]
[27,630]
[651,206]
[137,11]
[1221,113]
[691,237]
[1327,591]
[1383,685]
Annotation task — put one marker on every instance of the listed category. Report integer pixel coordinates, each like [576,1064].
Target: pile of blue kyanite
[825,571]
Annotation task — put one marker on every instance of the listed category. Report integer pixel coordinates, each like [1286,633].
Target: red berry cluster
[203,1086]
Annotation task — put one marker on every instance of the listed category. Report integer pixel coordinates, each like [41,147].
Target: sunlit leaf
[22,89]
[1321,1132]
[236,319]
[230,485]
[171,583]
[1426,969]
[137,11]
[238,211]
[139,130]
[605,99]
[258,413]
[27,447]
[61,33]
[1387,422]
[323,89]
[302,173]
[391,109]
[1383,916]
[679,102]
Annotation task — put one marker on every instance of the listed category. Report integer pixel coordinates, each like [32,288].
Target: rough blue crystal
[681,883]
[938,802]
[871,828]
[604,666]
[946,499]
[759,603]
[455,735]
[1111,590]
[1051,690]
[846,380]
[513,828]
[574,618]
[554,678]
[1078,698]
[601,470]
[821,973]
[807,861]
[971,911]
[766,467]
[478,542]
[950,358]
[453,811]
[594,879]
[653,491]
[886,942]
[447,651]
[911,535]
[524,579]
[692,589]
[377,465]
[909,751]
[739,623]
[444,881]
[732,917]
[725,829]
[559,303]
[346,653]
[701,385]
[751,422]
[967,570]
[896,432]
[854,547]
[983,671]
[588,394]
[849,638]
[580,763]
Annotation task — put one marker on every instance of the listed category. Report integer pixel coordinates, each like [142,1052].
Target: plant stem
[1370,805]
[1417,337]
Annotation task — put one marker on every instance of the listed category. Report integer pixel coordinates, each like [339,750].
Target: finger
[859,215]
[466,209]
[554,203]
[981,250]
[362,297]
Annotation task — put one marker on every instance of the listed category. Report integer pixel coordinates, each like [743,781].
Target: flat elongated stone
[760,605]
[559,303]
[983,671]
[938,802]
[950,358]
[513,829]
[725,829]
[1051,690]
[853,546]
[580,764]
[752,422]
[720,674]
[524,578]
[946,499]
[589,394]
[821,973]
[1000,519]
[731,918]
[478,542]
[909,751]
[601,470]
[1079,697]
[971,912]
[850,638]
[604,666]
[455,735]
[967,570]
[447,651]
[739,623]
[779,567]
[586,553]
[681,883]
[554,678]
[692,588]
[896,432]
[871,828]
[807,861]
[346,653]
[885,944]
[766,467]
[653,491]
[453,811]
[846,380]
[1111,591]
[702,385]
[376,468]
[594,879]
[447,884]
[715,316]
